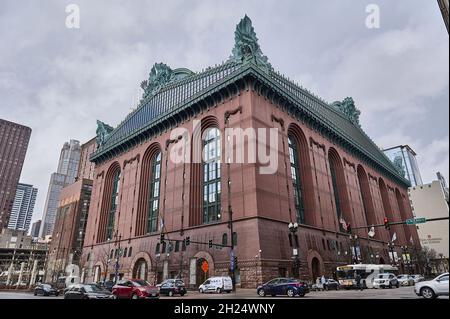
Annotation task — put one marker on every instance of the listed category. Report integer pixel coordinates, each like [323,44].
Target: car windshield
[92,288]
[47,286]
[141,283]
[402,276]
[381,276]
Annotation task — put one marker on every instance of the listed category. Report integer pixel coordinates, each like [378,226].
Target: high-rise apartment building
[65,175]
[35,228]
[14,140]
[23,207]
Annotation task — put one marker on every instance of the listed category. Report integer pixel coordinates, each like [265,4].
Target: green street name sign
[419,220]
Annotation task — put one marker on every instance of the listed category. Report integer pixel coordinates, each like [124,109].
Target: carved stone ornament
[160,74]
[103,131]
[347,106]
[246,47]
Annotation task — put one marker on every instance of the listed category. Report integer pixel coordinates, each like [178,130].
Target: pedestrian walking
[358,282]
[323,282]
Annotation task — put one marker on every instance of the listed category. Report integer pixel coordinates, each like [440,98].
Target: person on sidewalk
[358,282]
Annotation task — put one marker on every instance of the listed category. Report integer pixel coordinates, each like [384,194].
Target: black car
[331,284]
[45,290]
[107,285]
[91,291]
[171,287]
[283,286]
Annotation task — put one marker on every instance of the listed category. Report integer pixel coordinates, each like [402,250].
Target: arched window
[296,179]
[153,205]
[366,197]
[211,175]
[339,187]
[158,247]
[113,206]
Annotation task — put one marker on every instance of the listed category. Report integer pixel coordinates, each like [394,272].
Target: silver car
[405,280]
[433,288]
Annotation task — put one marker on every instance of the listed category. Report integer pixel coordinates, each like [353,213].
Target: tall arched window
[211,175]
[296,179]
[153,205]
[339,187]
[113,206]
[366,197]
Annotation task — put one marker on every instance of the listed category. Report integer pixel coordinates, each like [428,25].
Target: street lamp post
[406,258]
[391,249]
[354,241]
[117,266]
[293,227]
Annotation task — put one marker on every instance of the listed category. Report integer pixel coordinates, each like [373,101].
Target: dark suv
[45,290]
[283,286]
[171,287]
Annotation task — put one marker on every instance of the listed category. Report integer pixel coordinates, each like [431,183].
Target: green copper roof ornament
[103,131]
[347,106]
[246,47]
[160,74]
[398,163]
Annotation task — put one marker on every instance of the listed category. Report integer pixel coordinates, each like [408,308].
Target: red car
[135,289]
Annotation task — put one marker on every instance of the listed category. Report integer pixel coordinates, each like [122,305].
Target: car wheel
[398,286]
[427,293]
[170,294]
[219,291]
[290,292]
[35,293]
[200,290]
[261,293]
[390,286]
[134,296]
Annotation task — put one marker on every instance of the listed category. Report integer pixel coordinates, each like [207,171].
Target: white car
[405,280]
[216,284]
[418,278]
[386,280]
[433,288]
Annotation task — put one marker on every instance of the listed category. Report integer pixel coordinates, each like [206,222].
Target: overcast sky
[58,81]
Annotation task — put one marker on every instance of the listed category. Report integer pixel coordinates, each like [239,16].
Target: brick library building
[157,212]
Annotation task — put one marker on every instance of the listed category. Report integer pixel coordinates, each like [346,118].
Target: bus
[368,272]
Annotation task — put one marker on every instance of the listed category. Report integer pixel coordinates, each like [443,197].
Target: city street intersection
[400,293]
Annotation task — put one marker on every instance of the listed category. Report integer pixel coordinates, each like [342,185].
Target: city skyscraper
[65,175]
[23,207]
[14,140]
[404,158]
[444,6]
[35,228]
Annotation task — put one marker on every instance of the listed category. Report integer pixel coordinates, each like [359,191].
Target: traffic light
[386,223]
[161,239]
[210,244]
[235,262]
[187,241]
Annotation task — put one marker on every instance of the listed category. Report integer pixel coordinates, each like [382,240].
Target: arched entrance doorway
[382,262]
[202,271]
[140,269]
[315,267]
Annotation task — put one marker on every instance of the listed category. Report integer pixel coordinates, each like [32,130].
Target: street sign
[418,220]
[205,266]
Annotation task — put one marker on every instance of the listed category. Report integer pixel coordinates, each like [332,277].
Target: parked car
[135,289]
[283,286]
[107,285]
[92,291]
[418,278]
[216,284]
[45,290]
[433,288]
[171,287]
[331,284]
[386,280]
[405,280]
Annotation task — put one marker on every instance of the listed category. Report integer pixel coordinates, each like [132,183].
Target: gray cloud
[59,81]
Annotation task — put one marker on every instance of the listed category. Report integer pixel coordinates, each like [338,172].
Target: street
[396,293]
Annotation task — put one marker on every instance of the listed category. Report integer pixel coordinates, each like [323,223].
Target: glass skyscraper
[405,159]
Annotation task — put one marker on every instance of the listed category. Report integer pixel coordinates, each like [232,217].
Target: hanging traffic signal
[349,228]
[210,244]
[187,241]
[235,262]
[386,223]
[161,239]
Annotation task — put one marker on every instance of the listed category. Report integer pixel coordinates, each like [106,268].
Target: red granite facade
[262,205]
